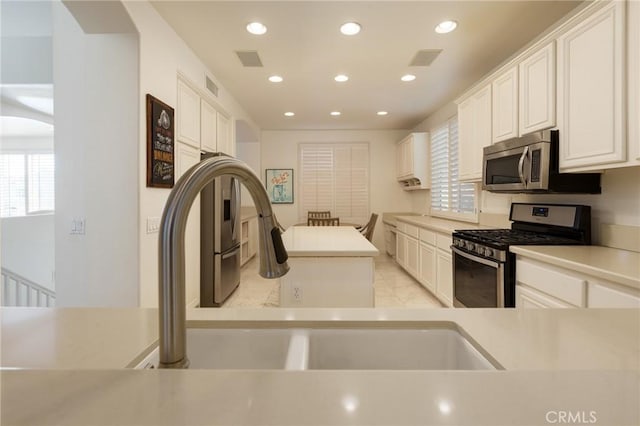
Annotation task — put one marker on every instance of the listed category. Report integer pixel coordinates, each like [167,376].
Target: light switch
[153,224]
[78,225]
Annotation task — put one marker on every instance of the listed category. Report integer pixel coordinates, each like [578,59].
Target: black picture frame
[160,144]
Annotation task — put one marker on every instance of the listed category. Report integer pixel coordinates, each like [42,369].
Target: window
[26,184]
[335,177]
[449,197]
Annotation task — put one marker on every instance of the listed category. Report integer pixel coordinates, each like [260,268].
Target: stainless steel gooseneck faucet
[273,256]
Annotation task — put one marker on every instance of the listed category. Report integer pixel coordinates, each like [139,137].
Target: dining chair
[367,230]
[323,221]
[318,214]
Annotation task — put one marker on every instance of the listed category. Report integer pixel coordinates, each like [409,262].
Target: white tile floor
[394,288]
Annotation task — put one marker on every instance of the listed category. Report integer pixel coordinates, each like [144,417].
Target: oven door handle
[476,258]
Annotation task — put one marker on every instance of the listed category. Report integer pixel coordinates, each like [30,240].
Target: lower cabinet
[426,255]
[249,239]
[540,285]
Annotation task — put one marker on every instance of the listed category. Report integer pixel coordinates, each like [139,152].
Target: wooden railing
[19,291]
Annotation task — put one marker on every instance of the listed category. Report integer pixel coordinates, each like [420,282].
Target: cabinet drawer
[411,230]
[552,281]
[428,237]
[611,296]
[529,298]
[444,241]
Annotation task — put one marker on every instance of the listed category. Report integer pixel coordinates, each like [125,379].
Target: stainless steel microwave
[530,165]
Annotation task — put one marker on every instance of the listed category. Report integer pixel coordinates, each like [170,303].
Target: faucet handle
[278,246]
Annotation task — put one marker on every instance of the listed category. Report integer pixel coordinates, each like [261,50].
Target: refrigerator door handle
[235,197]
[230,254]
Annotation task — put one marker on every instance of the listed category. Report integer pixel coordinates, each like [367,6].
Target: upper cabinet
[591,90]
[188,115]
[537,94]
[505,105]
[412,161]
[474,133]
[200,124]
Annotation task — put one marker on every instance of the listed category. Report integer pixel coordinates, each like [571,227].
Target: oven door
[477,282]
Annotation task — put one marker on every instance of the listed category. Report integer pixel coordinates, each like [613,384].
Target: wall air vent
[425,57]
[249,58]
[211,86]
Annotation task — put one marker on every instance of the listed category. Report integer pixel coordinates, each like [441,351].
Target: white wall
[249,152]
[162,55]
[27,248]
[96,147]
[280,150]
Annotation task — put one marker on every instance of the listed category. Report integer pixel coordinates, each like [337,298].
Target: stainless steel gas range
[483,267]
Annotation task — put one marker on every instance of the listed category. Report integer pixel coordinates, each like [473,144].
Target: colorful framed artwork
[280,185]
[160,144]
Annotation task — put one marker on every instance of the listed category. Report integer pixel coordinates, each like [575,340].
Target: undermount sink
[443,348]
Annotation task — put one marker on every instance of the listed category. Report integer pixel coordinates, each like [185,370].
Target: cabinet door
[401,249]
[427,267]
[188,115]
[253,236]
[404,158]
[591,90]
[225,144]
[474,133]
[412,256]
[444,277]
[187,156]
[505,105]
[208,127]
[605,295]
[529,298]
[538,90]
[633,50]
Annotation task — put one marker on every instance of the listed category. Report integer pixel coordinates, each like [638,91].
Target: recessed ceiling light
[350,28]
[275,79]
[446,27]
[335,113]
[289,114]
[382,113]
[256,28]
[408,77]
[341,78]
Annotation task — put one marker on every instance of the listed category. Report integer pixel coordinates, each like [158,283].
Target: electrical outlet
[297,294]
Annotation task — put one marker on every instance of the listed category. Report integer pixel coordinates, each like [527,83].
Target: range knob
[488,252]
[470,246]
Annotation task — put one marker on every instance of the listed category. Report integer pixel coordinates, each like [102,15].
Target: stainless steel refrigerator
[219,240]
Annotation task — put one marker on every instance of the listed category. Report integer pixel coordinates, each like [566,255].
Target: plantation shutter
[335,177]
[448,195]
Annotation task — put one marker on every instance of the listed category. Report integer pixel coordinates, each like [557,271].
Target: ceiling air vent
[211,86]
[249,58]
[424,57]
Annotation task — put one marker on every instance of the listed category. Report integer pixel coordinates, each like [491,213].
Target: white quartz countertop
[619,266]
[437,224]
[330,241]
[555,359]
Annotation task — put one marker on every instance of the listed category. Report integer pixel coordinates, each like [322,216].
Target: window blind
[449,197]
[335,177]
[26,184]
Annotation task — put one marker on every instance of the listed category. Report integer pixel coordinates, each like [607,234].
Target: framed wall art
[280,185]
[160,144]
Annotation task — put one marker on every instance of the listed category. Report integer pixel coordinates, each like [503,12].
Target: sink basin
[330,349]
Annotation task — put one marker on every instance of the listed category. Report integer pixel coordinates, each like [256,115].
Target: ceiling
[304,46]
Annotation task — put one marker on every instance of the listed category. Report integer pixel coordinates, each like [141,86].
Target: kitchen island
[331,267]
[554,360]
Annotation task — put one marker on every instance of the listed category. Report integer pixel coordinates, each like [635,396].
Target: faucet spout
[273,256]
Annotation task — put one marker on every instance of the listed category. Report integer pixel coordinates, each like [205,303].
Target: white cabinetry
[505,105]
[390,239]
[208,127]
[187,156]
[188,115]
[248,239]
[537,90]
[412,161]
[474,133]
[539,284]
[426,255]
[200,124]
[224,134]
[591,90]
